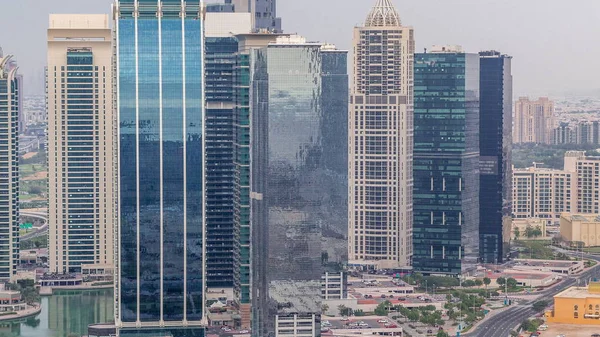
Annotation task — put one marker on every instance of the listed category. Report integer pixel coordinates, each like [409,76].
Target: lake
[67,312]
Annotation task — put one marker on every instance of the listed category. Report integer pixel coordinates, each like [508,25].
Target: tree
[383,308]
[413,315]
[511,283]
[344,311]
[478,282]
[359,312]
[529,231]
[539,306]
[324,308]
[517,233]
[537,231]
[468,283]
[487,281]
[501,281]
[442,333]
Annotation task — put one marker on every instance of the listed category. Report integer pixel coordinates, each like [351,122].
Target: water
[64,314]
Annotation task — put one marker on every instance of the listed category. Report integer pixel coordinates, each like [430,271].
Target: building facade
[446,161]
[264,14]
[292,107]
[380,142]
[495,150]
[577,305]
[534,121]
[580,229]
[81,143]
[162,246]
[543,193]
[587,170]
[9,169]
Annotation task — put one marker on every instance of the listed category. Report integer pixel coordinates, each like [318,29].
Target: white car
[383,320]
[345,318]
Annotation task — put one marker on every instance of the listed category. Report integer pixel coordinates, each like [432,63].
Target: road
[501,324]
[40,231]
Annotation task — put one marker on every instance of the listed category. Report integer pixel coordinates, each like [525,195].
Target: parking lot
[570,330]
[354,323]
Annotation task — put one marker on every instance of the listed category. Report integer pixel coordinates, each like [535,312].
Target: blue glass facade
[446,162]
[161,134]
[221,241]
[9,170]
[495,122]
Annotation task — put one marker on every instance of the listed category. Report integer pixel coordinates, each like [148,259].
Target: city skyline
[474,25]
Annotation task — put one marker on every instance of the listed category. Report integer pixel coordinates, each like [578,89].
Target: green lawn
[536,250]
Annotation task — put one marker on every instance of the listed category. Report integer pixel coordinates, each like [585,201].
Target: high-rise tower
[81,144]
[495,122]
[446,161]
[381,141]
[264,13]
[9,169]
[160,103]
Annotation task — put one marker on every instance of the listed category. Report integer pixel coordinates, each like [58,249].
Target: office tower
[9,169]
[81,144]
[543,193]
[446,161]
[264,13]
[228,248]
[10,65]
[161,244]
[495,122]
[534,121]
[292,107]
[381,142]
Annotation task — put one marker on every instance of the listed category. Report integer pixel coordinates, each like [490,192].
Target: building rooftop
[296,296]
[577,292]
[383,14]
[581,217]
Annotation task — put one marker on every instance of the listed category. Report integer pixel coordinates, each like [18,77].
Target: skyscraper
[292,108]
[495,148]
[534,121]
[160,103]
[264,13]
[381,141]
[81,144]
[446,161]
[9,169]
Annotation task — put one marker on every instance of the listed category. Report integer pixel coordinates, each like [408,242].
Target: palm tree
[517,233]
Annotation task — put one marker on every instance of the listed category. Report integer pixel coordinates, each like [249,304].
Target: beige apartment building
[543,193]
[381,141]
[581,228]
[81,143]
[534,121]
[588,179]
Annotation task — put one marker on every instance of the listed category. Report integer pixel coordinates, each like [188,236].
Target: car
[243,331]
[345,318]
[390,325]
[383,320]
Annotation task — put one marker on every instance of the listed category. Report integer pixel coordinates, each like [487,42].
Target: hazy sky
[554,42]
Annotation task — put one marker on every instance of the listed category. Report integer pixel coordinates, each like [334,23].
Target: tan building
[588,176]
[81,124]
[520,227]
[543,193]
[577,305]
[380,141]
[581,228]
[534,121]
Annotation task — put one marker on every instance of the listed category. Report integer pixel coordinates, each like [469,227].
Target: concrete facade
[81,139]
[380,214]
[534,121]
[577,305]
[581,228]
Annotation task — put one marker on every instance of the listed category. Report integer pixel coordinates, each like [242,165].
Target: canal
[66,313]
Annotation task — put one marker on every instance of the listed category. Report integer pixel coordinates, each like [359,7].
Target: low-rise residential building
[522,229]
[577,305]
[11,301]
[580,228]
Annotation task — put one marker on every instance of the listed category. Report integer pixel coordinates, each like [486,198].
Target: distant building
[296,313]
[81,142]
[563,134]
[534,121]
[380,144]
[543,193]
[580,228]
[587,170]
[446,161]
[264,13]
[333,285]
[10,93]
[577,305]
[495,151]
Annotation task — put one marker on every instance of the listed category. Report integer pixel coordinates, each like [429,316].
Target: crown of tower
[383,14]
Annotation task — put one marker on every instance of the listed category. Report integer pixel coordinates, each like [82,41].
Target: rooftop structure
[383,14]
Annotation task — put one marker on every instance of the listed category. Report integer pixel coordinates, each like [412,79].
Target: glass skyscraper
[161,242]
[495,147]
[446,161]
[291,168]
[9,169]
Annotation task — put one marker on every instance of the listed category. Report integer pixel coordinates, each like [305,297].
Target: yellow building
[577,305]
[580,228]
